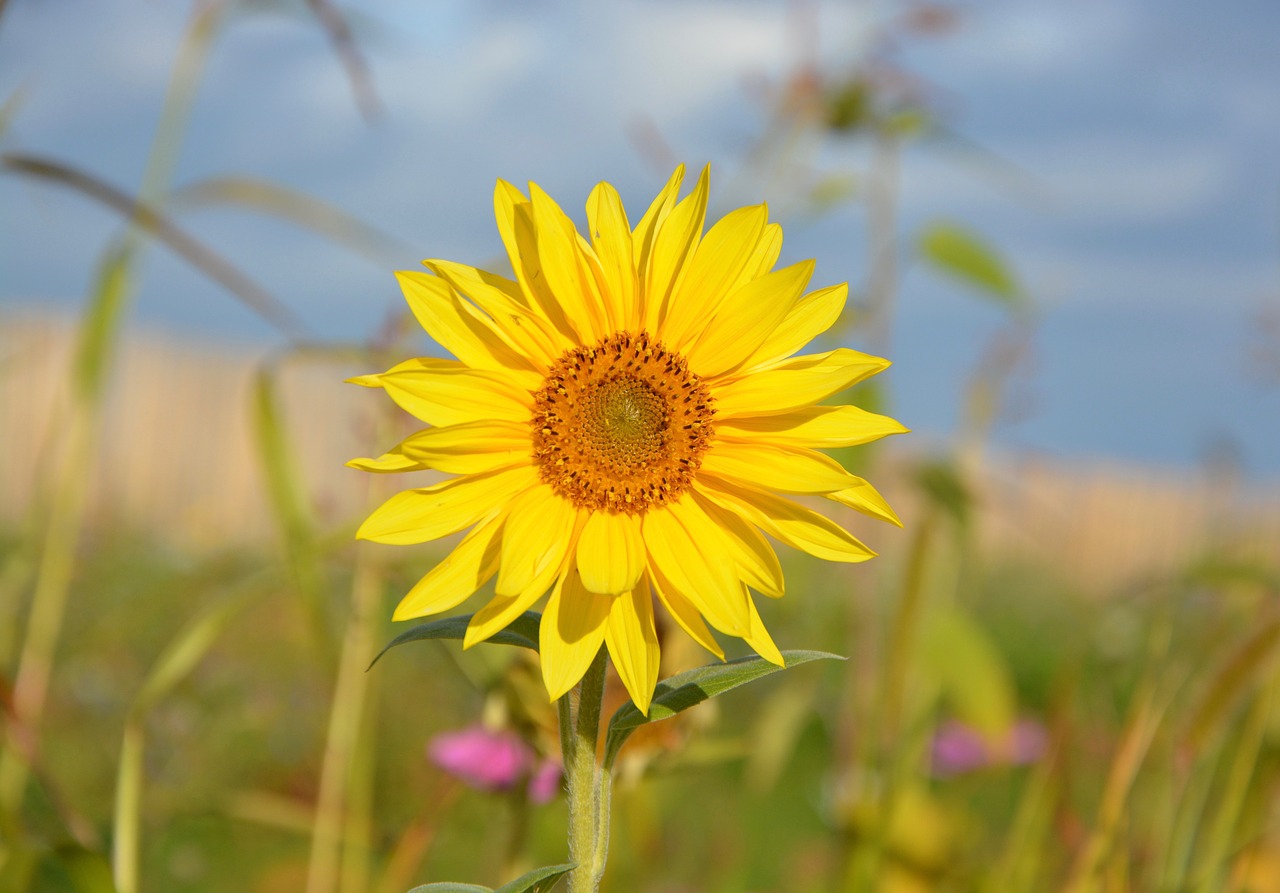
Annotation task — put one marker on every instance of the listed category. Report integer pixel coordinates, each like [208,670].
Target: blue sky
[1127,163]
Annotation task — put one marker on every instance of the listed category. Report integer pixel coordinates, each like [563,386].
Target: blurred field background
[1063,671]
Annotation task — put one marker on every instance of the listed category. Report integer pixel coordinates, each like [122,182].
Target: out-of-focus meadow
[1062,672]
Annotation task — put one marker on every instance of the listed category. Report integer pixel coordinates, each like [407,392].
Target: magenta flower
[958,748]
[544,784]
[495,761]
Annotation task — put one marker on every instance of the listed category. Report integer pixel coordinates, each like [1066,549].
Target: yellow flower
[618,424]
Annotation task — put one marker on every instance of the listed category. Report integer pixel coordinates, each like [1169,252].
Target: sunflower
[624,421]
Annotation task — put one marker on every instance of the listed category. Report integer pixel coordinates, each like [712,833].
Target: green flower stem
[588,784]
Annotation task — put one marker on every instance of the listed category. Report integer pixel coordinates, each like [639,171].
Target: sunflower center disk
[621,426]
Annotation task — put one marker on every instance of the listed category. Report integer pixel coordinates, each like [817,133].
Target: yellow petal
[757,563]
[862,497]
[373,380]
[461,329]
[800,381]
[469,448]
[514,214]
[759,639]
[535,539]
[501,610]
[524,330]
[687,548]
[786,521]
[389,462]
[611,553]
[722,255]
[445,392]
[821,427]
[684,613]
[746,317]
[418,516]
[763,256]
[673,243]
[643,235]
[571,633]
[633,644]
[451,582]
[808,318]
[565,269]
[785,468]
[611,238]
[496,615]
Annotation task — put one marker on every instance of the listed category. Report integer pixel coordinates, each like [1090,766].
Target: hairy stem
[588,810]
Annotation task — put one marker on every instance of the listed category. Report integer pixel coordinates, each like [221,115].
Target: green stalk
[357,854]
[588,810]
[48,604]
[345,719]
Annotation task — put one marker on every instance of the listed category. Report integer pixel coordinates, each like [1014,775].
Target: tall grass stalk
[99,332]
[1020,859]
[338,770]
[1145,716]
[177,661]
[1222,833]
[62,530]
[293,516]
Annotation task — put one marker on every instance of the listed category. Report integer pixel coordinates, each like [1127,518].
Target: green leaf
[692,687]
[100,328]
[970,670]
[540,880]
[523,631]
[958,252]
[89,872]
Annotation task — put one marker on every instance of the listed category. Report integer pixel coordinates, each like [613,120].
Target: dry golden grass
[177,455]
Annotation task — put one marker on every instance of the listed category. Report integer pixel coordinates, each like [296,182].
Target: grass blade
[298,208]
[159,226]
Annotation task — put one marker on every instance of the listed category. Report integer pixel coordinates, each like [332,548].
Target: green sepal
[540,880]
[523,631]
[692,687]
